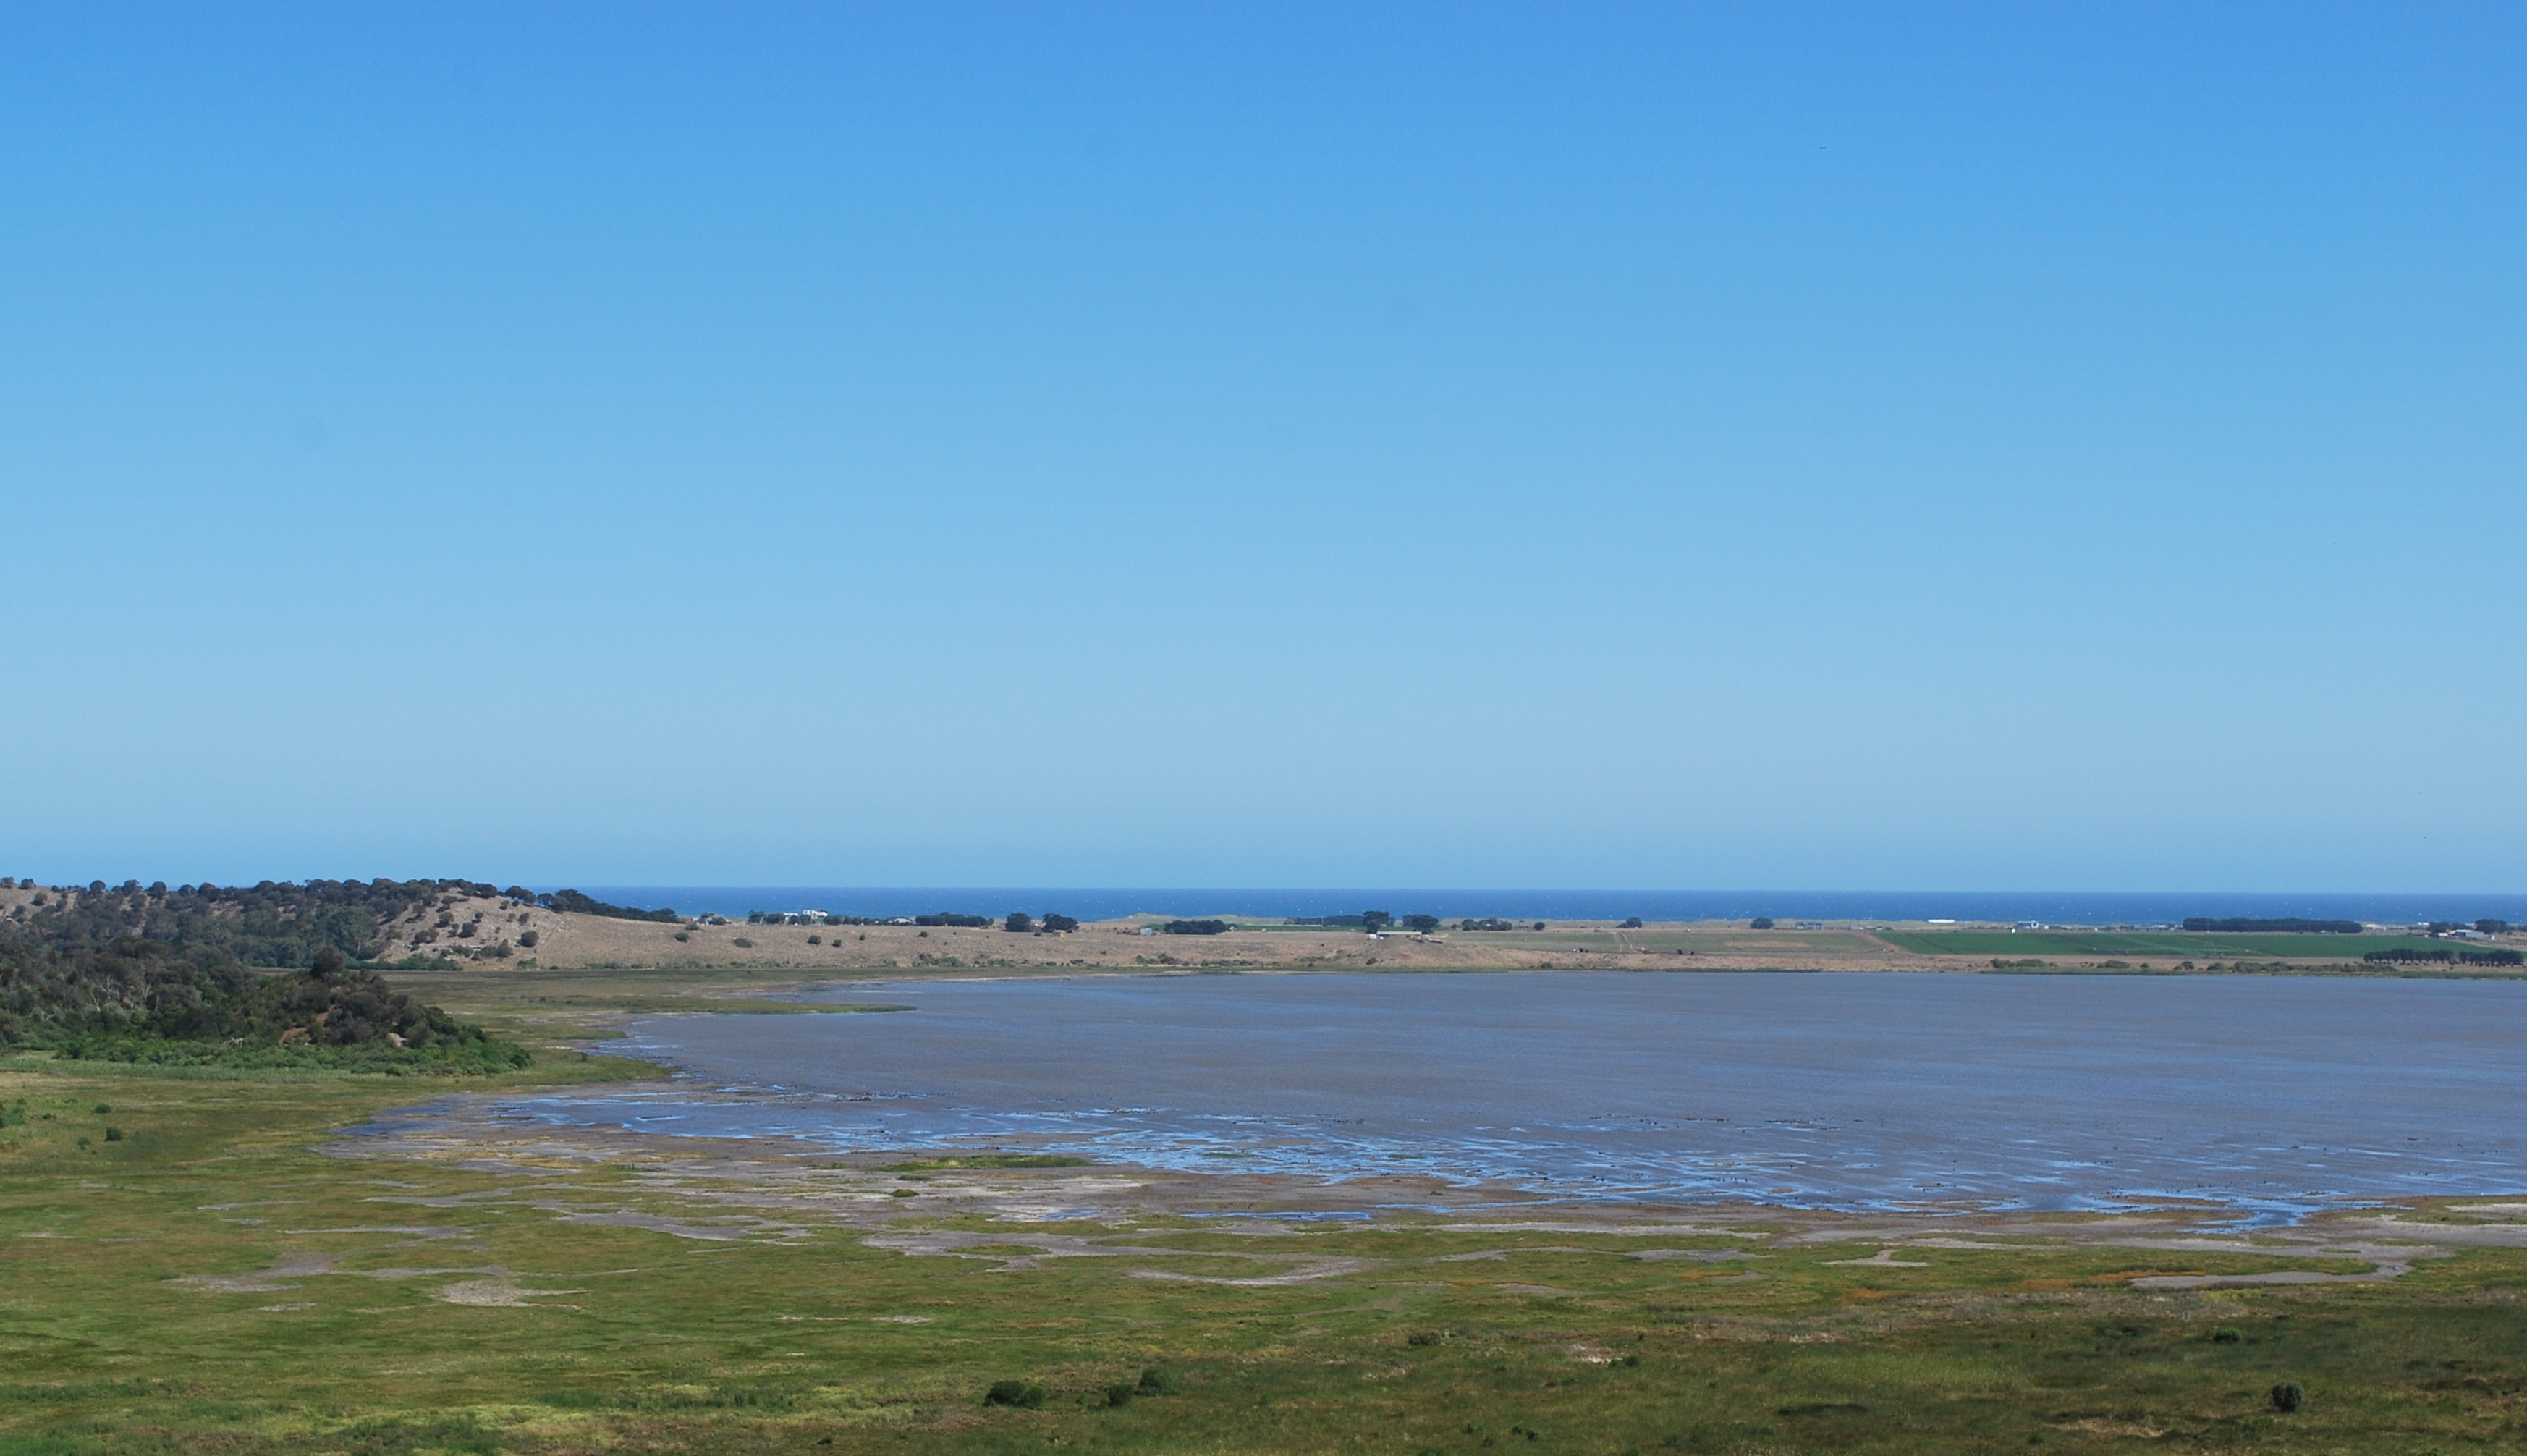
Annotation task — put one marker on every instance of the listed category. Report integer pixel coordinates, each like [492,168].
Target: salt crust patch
[1882,1259]
[498,1294]
[280,1276]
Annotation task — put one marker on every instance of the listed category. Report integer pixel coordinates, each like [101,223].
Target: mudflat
[331,1262]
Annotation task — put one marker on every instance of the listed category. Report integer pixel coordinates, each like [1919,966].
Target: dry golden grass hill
[491,933]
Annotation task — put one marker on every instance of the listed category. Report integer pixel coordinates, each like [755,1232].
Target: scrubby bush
[1158,1379]
[2289,1397]
[1760,922]
[1019,922]
[1117,1395]
[1021,1394]
[2227,1334]
[743,944]
[573,903]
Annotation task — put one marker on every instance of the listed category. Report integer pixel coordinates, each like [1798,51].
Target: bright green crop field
[210,1279]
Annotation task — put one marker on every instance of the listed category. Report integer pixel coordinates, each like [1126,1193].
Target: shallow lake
[2274,1094]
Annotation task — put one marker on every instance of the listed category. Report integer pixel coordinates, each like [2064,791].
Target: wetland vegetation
[222,1279]
[209,1258]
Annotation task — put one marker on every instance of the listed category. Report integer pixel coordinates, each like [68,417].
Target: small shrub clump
[2289,1397]
[2227,1334]
[1158,1379]
[1025,1395]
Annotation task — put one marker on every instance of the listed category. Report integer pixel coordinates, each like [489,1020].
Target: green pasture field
[2164,944]
[212,1282]
[1664,939]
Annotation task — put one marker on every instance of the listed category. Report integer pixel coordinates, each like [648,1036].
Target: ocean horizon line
[1106,902]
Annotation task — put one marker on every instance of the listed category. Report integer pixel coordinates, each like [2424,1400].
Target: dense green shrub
[139,999]
[2288,1396]
[1022,1394]
[1158,1379]
[577,904]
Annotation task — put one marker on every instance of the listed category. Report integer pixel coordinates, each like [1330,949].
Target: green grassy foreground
[210,1282]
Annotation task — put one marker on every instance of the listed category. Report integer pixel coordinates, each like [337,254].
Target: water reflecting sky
[2057,1092]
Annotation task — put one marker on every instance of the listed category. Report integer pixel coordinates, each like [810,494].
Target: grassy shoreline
[232,1275]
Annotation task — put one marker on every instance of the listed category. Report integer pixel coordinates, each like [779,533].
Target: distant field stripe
[2165,944]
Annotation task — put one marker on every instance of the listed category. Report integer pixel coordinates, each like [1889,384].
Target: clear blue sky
[2032,446]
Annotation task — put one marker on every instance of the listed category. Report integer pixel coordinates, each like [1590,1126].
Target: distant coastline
[2006,906]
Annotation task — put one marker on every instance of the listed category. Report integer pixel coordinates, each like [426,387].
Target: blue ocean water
[2052,907]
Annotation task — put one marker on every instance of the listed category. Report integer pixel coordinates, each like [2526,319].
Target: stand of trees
[140,975]
[2408,956]
[582,905]
[1194,927]
[2290,925]
[271,923]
